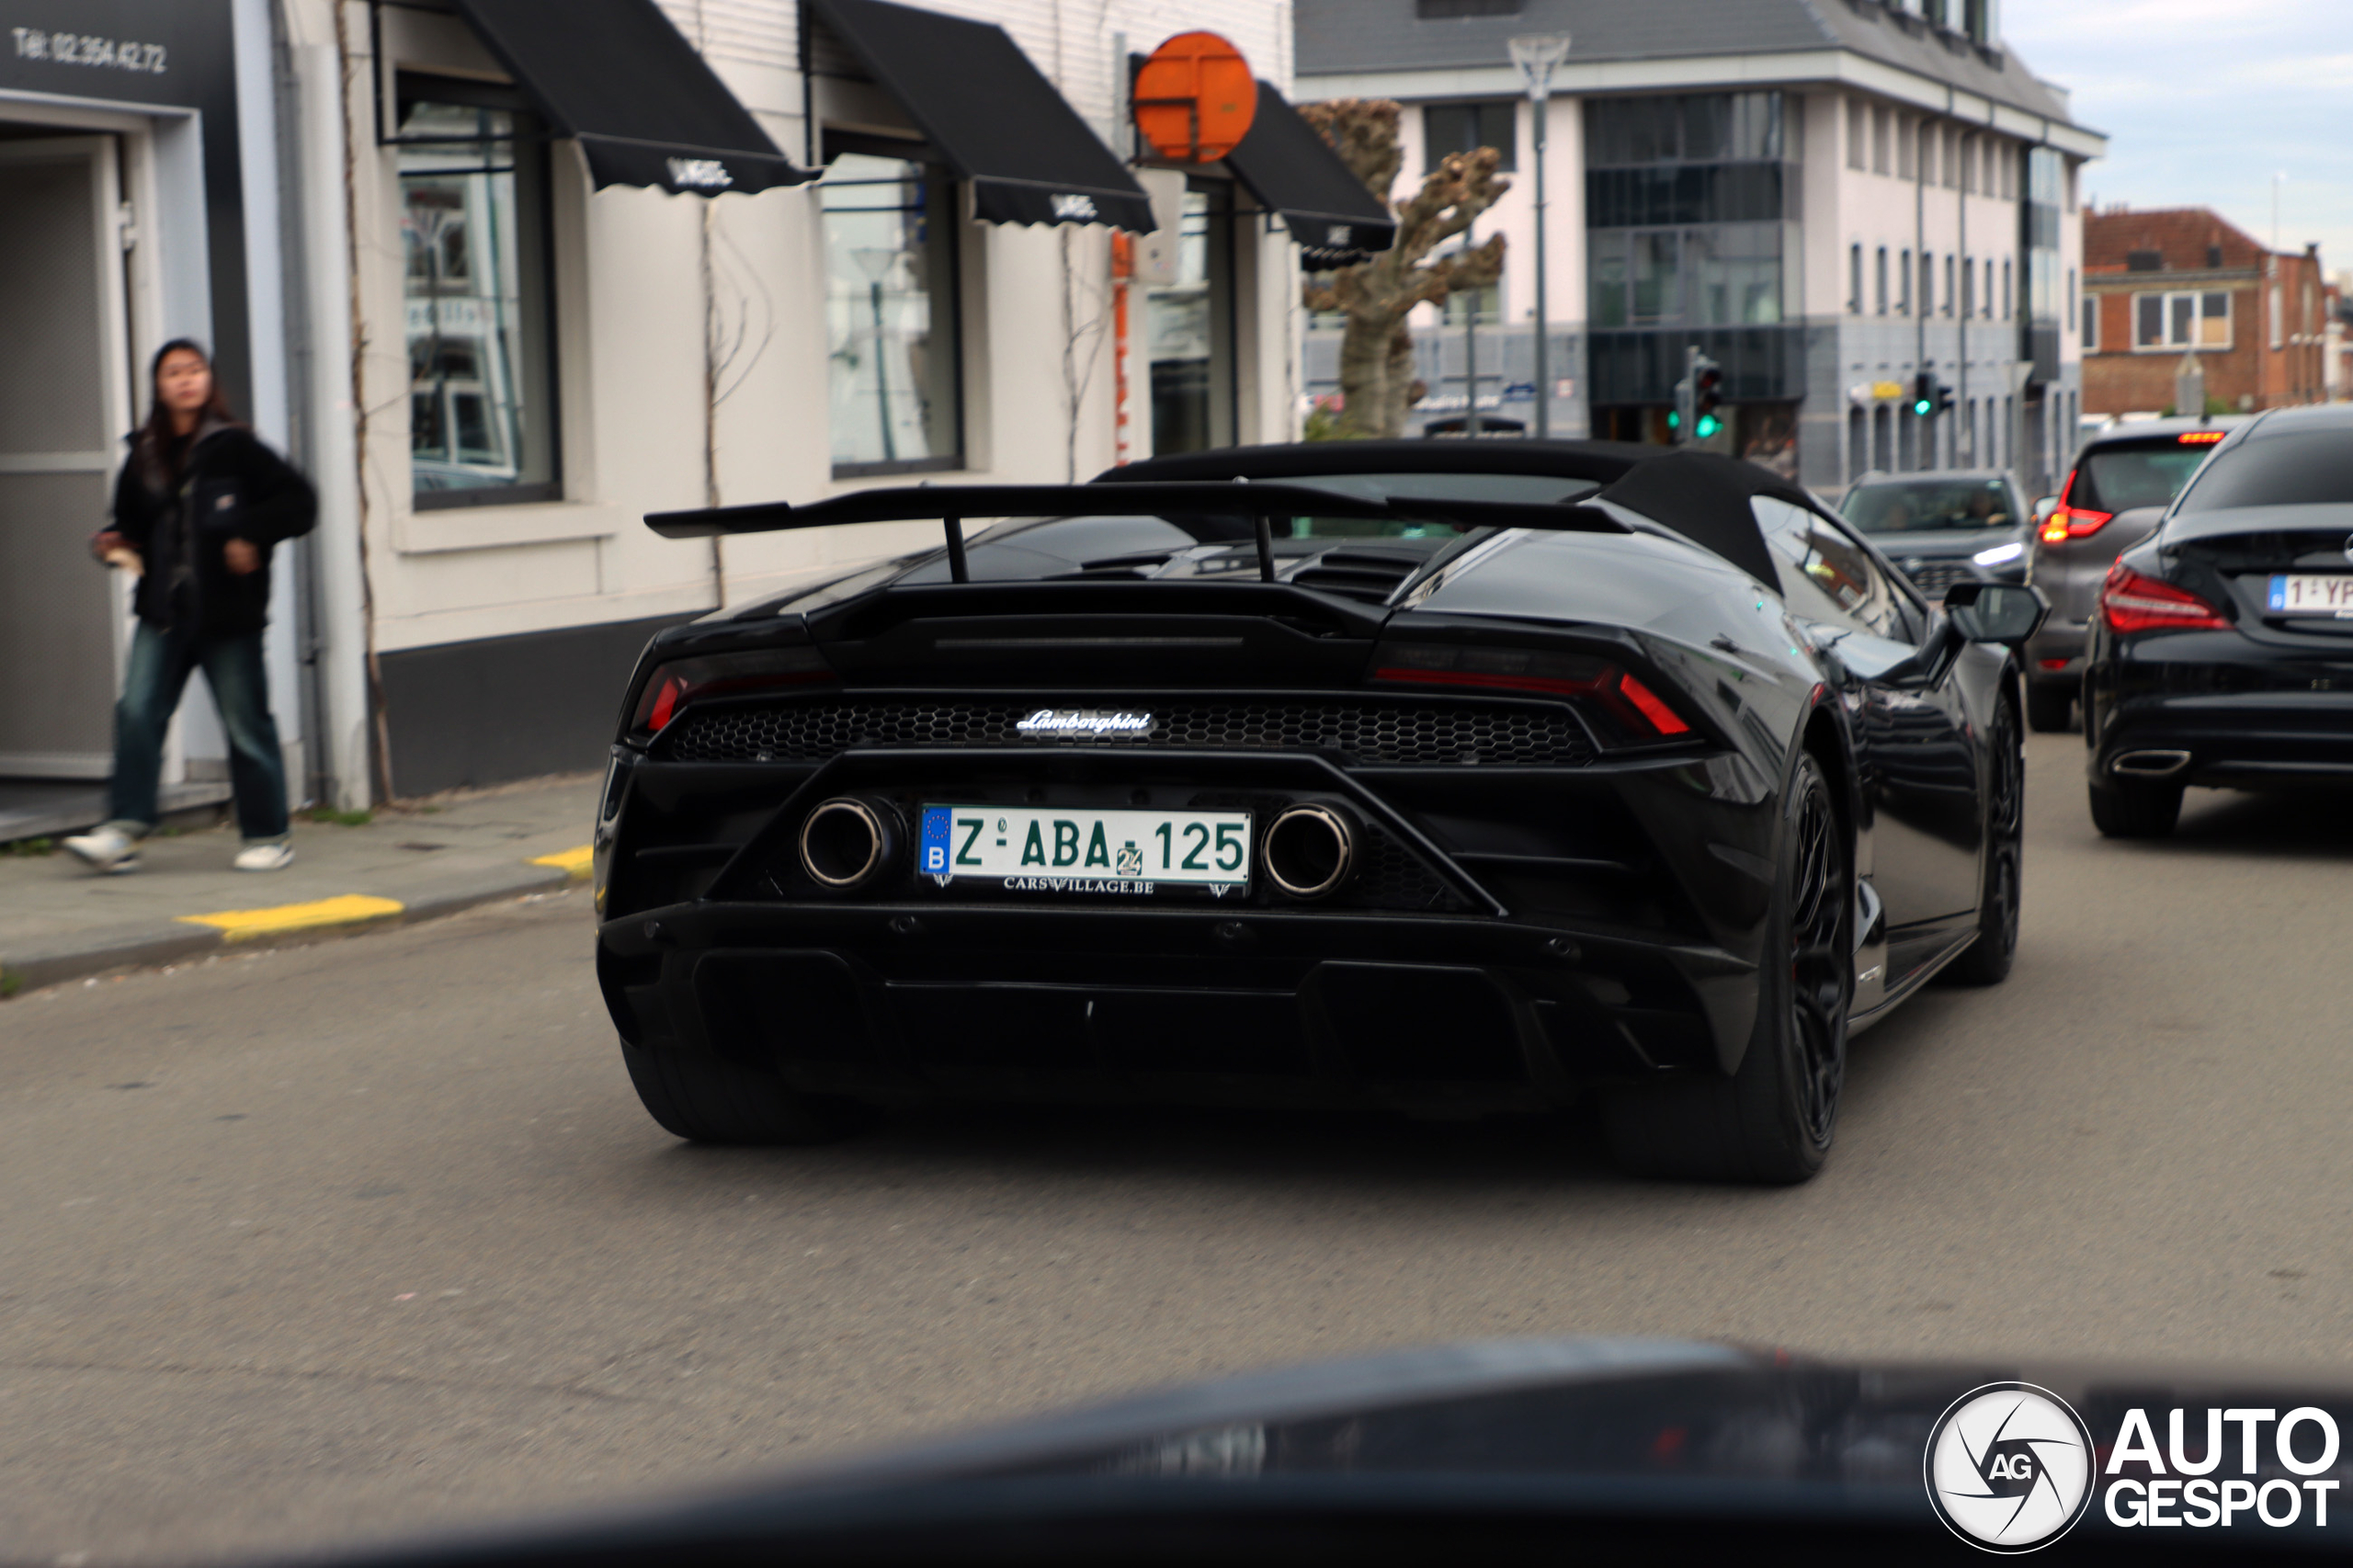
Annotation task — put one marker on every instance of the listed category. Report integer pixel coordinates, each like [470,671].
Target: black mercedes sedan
[2222,651]
[1448,777]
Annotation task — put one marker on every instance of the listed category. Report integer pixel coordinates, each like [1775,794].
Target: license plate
[1065,849]
[2314,595]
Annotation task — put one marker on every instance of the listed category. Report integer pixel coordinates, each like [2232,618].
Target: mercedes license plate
[1068,849]
[2317,594]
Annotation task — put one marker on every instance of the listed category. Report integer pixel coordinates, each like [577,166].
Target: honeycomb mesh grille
[1933,577]
[1400,732]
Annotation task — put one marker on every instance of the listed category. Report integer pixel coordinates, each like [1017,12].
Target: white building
[507,274]
[1827,198]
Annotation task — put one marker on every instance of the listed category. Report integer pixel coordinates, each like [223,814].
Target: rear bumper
[2233,723]
[1448,1014]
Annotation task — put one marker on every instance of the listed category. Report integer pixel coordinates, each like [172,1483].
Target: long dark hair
[160,450]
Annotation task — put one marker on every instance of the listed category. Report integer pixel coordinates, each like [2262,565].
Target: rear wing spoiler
[952,504]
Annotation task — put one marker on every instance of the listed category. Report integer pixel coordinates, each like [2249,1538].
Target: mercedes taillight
[2129,601]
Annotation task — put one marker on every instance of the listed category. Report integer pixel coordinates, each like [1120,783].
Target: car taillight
[673,685]
[2132,602]
[1625,709]
[2067,522]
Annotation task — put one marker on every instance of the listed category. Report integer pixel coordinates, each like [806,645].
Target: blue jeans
[160,664]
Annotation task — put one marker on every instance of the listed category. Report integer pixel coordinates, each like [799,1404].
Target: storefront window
[890,327]
[1189,327]
[475,234]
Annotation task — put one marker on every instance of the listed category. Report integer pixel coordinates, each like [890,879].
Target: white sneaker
[264,858]
[105,849]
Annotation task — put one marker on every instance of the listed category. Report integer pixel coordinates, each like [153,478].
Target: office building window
[1948,285]
[1967,288]
[2090,318]
[2006,302]
[1878,281]
[1903,145]
[1857,120]
[891,323]
[1880,125]
[1854,280]
[1930,138]
[1988,296]
[479,286]
[1968,165]
[1466,128]
[1903,271]
[1927,284]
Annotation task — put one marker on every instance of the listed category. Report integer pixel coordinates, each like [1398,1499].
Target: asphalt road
[312,1246]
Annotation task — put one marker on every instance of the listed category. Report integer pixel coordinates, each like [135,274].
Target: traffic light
[1924,395]
[1707,392]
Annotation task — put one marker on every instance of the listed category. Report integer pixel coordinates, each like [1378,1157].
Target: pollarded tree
[1377,384]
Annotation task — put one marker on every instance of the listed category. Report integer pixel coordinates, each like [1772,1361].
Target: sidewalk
[59,922]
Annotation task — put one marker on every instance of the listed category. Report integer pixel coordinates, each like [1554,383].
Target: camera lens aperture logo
[2009,1467]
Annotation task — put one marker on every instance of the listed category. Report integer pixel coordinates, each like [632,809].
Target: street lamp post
[1538,55]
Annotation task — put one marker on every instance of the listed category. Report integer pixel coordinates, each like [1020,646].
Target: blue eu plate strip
[931,853]
[2278,592]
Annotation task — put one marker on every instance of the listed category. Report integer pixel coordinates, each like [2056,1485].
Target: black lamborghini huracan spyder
[1449,776]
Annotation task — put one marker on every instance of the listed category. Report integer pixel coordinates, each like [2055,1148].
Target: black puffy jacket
[234,487]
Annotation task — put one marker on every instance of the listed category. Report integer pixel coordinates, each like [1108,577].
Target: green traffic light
[1708,426]
[1923,408]
[1674,421]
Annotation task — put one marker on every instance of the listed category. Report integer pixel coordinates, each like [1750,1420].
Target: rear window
[2304,468]
[1929,505]
[2117,477]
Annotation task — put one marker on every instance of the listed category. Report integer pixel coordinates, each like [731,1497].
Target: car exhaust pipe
[2149,764]
[848,842]
[1311,851]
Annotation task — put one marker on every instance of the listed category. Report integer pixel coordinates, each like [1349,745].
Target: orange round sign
[1195,99]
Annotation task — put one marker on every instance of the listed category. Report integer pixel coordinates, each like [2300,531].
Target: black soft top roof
[1702,496]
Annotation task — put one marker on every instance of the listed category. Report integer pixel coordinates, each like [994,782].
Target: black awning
[1293,170]
[619,78]
[986,109]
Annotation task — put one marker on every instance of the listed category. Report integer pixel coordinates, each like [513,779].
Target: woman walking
[197,509]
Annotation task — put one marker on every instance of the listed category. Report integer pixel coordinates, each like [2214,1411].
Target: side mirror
[1995,612]
[2044,508]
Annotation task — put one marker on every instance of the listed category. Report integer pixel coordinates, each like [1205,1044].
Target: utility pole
[1538,55]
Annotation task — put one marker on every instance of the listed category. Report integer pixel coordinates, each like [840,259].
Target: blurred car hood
[1624,1437]
[1943,544]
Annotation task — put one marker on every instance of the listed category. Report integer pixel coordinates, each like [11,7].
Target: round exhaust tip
[845,842]
[1310,851]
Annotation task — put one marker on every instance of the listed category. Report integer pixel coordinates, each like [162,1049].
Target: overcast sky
[2204,100]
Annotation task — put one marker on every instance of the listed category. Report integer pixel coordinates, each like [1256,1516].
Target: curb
[154,943]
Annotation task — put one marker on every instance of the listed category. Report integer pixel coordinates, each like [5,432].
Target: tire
[706,1100]
[1771,1122]
[2049,707]
[2135,810]
[1988,959]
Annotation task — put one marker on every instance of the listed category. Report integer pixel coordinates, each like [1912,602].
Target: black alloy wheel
[1771,1122]
[1988,959]
[2048,706]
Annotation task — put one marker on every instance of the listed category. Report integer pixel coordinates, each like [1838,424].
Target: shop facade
[139,203]
[859,243]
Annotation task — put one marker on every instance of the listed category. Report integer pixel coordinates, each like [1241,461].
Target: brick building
[2160,284]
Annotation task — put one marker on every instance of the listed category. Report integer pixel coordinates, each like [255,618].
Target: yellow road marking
[574,863]
[246,924]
